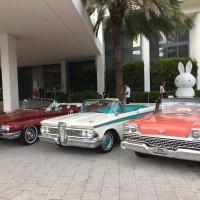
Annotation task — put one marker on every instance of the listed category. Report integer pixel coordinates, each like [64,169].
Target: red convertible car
[24,123]
[173,130]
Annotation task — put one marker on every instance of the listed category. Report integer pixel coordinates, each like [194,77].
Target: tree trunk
[118,66]
[116,23]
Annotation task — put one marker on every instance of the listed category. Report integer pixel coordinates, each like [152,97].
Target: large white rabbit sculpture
[185,81]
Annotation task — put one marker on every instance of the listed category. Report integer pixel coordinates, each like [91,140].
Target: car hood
[18,115]
[168,125]
[81,120]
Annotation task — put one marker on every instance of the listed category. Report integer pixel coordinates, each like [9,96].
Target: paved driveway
[47,171]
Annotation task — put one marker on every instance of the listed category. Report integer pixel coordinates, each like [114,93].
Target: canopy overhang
[48,31]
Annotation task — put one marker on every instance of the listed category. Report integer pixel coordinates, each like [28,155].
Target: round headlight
[133,128]
[195,134]
[126,128]
[6,127]
[84,133]
[89,134]
[44,129]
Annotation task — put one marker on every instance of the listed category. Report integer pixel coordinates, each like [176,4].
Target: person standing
[35,93]
[105,94]
[127,93]
[162,90]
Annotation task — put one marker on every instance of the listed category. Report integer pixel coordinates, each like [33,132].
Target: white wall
[146,60]
[194,47]
[9,72]
[100,63]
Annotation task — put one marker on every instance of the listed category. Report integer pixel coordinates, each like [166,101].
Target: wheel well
[115,134]
[38,128]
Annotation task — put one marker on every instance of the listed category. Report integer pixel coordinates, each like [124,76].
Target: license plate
[160,151]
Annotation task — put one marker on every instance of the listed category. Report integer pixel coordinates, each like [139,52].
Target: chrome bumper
[185,154]
[10,136]
[72,141]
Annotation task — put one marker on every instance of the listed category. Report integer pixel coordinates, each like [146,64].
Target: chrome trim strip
[159,136]
[185,154]
[10,136]
[72,141]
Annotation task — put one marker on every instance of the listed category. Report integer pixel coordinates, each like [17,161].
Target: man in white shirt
[127,93]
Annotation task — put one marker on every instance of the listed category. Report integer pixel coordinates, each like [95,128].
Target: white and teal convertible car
[98,125]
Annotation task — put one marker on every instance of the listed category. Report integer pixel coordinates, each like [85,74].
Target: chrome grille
[62,132]
[170,144]
[53,131]
[71,132]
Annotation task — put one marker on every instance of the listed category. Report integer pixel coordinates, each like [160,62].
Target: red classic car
[173,130]
[24,123]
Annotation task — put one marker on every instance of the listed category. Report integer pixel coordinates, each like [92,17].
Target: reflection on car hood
[169,125]
[18,115]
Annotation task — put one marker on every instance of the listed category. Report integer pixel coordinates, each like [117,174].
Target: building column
[100,63]
[146,60]
[9,72]
[195,45]
[63,76]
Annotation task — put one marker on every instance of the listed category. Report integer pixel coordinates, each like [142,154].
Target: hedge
[77,96]
[151,97]
[136,97]
[133,75]
[164,69]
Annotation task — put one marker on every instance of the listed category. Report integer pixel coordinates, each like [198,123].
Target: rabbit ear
[189,67]
[181,68]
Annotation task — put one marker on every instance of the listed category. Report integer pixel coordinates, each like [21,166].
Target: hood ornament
[162,132]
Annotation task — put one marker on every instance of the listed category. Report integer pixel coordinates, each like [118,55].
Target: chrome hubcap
[107,141]
[30,134]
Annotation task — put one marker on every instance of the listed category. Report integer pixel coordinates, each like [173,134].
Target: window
[172,52]
[137,55]
[137,43]
[183,51]
[175,47]
[162,52]
[52,76]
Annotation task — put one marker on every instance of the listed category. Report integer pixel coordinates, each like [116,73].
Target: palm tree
[134,17]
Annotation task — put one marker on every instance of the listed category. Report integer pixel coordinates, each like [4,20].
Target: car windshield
[102,106]
[178,106]
[37,104]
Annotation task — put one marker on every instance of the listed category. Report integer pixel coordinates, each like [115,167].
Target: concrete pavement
[45,171]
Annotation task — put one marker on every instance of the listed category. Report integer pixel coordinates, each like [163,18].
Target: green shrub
[136,97]
[133,75]
[148,97]
[151,97]
[62,97]
[166,69]
[77,96]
